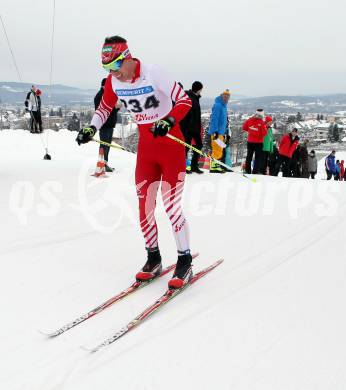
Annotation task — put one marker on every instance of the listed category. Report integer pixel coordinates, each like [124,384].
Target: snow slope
[270,317]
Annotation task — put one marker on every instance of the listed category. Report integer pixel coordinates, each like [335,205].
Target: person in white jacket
[33,106]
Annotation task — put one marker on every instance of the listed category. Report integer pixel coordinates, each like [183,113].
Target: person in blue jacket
[218,128]
[330,165]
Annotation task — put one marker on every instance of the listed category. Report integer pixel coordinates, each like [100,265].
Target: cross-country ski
[165,298]
[109,302]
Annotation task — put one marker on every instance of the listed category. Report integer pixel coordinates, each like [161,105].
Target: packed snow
[270,317]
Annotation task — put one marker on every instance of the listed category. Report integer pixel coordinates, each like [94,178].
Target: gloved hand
[216,135]
[85,134]
[163,126]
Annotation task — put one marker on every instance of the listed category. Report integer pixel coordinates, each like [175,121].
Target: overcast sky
[252,47]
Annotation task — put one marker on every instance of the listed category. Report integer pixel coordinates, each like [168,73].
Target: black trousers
[283,163]
[265,161]
[198,145]
[312,175]
[254,148]
[36,122]
[106,135]
[329,174]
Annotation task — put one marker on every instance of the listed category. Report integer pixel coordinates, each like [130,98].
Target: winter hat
[110,51]
[196,86]
[226,92]
[312,152]
[268,119]
[38,92]
[260,112]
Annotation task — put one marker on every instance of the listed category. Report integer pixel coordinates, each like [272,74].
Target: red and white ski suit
[151,96]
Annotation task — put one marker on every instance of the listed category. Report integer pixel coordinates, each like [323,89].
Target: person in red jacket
[157,104]
[257,130]
[288,145]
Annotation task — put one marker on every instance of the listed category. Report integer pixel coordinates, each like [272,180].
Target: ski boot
[215,168]
[183,271]
[108,168]
[152,268]
[196,170]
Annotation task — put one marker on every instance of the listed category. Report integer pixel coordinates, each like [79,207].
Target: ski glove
[85,135]
[163,126]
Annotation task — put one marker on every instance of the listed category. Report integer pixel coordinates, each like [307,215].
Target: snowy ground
[270,317]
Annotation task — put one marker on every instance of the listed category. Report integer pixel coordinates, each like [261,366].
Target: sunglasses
[116,64]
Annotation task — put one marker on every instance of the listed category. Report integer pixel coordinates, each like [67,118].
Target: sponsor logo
[134,92]
[126,53]
[107,49]
[145,117]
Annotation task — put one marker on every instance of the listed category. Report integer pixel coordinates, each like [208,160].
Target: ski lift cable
[16,66]
[11,51]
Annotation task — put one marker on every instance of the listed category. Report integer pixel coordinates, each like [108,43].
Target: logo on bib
[134,92]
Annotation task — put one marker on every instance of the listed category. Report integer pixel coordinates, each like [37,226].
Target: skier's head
[197,87]
[33,88]
[116,58]
[114,51]
[226,94]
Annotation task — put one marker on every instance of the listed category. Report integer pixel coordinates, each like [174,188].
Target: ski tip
[44,333]
[90,350]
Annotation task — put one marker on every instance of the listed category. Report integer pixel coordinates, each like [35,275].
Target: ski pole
[112,145]
[207,156]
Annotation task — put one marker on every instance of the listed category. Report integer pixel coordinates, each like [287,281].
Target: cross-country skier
[157,104]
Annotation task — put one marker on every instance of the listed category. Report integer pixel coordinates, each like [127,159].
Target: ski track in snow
[268,318]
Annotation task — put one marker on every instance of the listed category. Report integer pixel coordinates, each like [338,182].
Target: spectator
[304,157]
[273,159]
[330,165]
[294,164]
[218,128]
[191,125]
[226,155]
[257,130]
[342,170]
[74,124]
[268,145]
[107,130]
[33,106]
[337,170]
[288,145]
[312,164]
